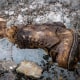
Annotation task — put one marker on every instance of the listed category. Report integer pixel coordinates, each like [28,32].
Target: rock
[10,23]
[20,18]
[30,69]
[11,13]
[8,65]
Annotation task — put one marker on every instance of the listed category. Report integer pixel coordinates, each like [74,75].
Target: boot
[61,43]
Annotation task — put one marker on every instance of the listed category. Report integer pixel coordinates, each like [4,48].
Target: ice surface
[9,51]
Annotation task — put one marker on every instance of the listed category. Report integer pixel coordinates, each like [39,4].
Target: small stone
[10,23]
[9,65]
[20,18]
[24,9]
[6,12]
[30,69]
[11,13]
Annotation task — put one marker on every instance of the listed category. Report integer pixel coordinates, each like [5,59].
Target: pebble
[30,68]
[11,13]
[9,65]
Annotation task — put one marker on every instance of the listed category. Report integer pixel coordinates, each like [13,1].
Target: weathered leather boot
[61,43]
[36,36]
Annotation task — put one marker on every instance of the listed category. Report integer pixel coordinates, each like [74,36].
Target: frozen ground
[20,12]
